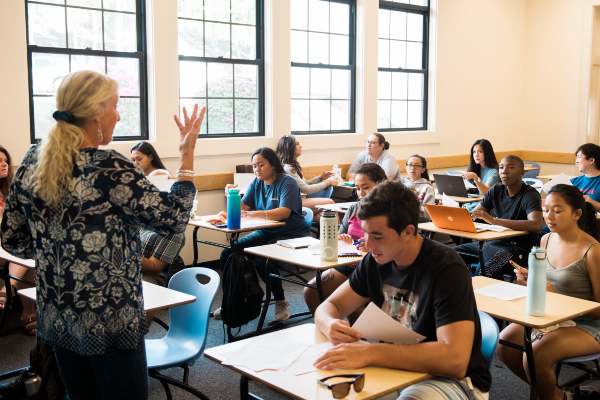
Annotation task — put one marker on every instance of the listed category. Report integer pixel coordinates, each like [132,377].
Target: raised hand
[189,129]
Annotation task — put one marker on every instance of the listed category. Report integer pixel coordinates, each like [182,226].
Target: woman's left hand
[472,176]
[326,175]
[189,129]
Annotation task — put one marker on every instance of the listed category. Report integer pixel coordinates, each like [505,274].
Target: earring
[99,134]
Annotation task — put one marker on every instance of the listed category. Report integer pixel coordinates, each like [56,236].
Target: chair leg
[186,373]
[180,385]
[164,384]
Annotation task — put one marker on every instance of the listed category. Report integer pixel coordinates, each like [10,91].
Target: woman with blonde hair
[78,210]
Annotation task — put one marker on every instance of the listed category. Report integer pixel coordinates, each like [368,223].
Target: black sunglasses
[341,389]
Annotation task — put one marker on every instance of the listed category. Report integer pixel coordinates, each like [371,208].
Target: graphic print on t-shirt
[400,304]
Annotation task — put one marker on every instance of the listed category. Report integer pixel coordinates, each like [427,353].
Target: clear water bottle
[337,172]
[234,207]
[536,282]
[329,236]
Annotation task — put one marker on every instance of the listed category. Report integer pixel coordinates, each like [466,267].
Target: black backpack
[242,295]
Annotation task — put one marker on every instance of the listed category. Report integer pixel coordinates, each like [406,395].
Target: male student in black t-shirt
[512,204]
[421,283]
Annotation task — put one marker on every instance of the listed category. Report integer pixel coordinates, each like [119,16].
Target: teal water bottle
[536,282]
[234,207]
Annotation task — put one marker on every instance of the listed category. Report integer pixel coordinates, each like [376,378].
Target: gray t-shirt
[386,161]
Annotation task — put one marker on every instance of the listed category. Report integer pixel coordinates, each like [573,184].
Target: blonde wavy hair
[84,94]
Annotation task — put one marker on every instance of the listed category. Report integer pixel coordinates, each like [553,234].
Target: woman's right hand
[326,174]
[189,129]
[332,181]
[520,273]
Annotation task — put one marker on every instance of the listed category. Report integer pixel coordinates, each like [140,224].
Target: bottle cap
[233,191]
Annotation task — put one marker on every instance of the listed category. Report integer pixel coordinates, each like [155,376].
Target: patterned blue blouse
[89,292]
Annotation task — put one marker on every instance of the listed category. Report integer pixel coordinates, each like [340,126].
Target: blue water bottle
[536,282]
[234,207]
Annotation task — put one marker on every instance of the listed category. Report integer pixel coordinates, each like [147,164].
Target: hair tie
[63,116]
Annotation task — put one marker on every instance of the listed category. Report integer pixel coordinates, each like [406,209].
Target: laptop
[458,219]
[450,185]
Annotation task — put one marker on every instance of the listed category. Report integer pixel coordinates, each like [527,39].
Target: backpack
[242,295]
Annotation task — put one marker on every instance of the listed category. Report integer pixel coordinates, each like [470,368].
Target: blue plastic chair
[489,335]
[308,215]
[186,337]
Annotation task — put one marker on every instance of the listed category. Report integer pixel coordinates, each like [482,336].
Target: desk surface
[21,261]
[558,307]
[337,207]
[486,235]
[155,297]
[378,381]
[459,199]
[301,257]
[248,224]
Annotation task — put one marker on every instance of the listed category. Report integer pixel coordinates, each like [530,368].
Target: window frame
[259,62]
[351,67]
[425,12]
[140,55]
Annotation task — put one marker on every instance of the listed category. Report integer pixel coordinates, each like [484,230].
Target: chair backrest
[308,215]
[489,335]
[190,322]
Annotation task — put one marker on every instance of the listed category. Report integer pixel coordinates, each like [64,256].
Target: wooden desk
[337,207]
[4,255]
[247,225]
[558,308]
[5,259]
[460,200]
[155,297]
[378,381]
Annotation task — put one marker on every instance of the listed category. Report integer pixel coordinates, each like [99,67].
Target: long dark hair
[372,171]
[5,182]
[148,150]
[271,157]
[425,173]
[489,157]
[574,198]
[286,151]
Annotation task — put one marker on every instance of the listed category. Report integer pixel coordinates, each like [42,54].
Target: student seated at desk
[145,157]
[376,152]
[483,167]
[272,195]
[573,269]
[417,179]
[587,159]
[317,189]
[419,282]
[366,178]
[512,204]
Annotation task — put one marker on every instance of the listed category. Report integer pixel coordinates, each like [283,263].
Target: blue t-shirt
[587,185]
[284,192]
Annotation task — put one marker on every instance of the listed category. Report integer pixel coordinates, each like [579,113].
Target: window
[323,65]
[107,36]
[221,64]
[403,61]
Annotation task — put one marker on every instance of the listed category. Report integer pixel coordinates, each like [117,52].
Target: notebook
[299,243]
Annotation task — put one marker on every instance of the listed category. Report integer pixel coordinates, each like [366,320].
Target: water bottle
[234,207]
[337,172]
[536,282]
[329,236]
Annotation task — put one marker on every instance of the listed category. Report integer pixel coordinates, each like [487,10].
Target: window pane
[190,9]
[320,113]
[41,33]
[299,14]
[43,108]
[220,116]
[398,115]
[399,85]
[119,5]
[384,85]
[320,83]
[339,18]
[340,84]
[191,37]
[48,71]
[383,114]
[129,125]
[217,10]
[120,32]
[126,72]
[397,54]
[340,115]
[192,79]
[415,86]
[243,11]
[220,80]
[93,63]
[419,2]
[414,27]
[62,2]
[217,40]
[318,15]
[300,115]
[300,83]
[384,24]
[398,25]
[299,46]
[415,114]
[339,50]
[318,48]
[246,116]
[383,53]
[243,44]
[85,3]
[246,79]
[84,29]
[414,55]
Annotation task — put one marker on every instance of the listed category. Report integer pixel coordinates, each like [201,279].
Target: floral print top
[87,250]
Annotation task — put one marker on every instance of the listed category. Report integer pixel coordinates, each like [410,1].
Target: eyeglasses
[341,389]
[414,166]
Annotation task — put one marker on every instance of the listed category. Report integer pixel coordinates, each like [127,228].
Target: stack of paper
[489,227]
[560,178]
[503,291]
[375,325]
[299,243]
[449,202]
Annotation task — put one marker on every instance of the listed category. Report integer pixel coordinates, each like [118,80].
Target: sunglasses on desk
[340,390]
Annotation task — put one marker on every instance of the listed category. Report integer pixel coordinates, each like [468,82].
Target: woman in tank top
[573,269]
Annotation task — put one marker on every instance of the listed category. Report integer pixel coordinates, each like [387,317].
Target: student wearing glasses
[422,284]
[587,159]
[376,152]
[417,179]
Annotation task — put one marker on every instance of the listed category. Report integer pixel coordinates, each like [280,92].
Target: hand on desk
[484,215]
[345,355]
[218,218]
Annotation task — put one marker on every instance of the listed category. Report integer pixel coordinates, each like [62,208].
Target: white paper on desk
[469,185]
[375,325]
[503,291]
[449,202]
[275,355]
[162,182]
[560,178]
[305,363]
